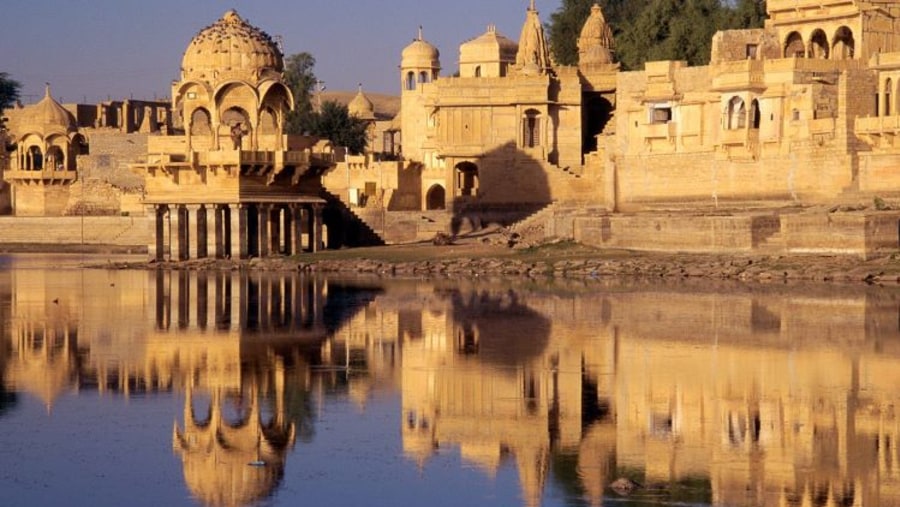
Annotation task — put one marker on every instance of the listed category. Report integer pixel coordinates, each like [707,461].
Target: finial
[532,8]
[420,33]
[47,89]
[360,87]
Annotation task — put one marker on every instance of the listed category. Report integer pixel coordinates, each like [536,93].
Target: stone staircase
[538,218]
[357,231]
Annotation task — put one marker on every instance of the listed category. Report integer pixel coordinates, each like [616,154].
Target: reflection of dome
[420,54]
[231,48]
[596,43]
[219,457]
[45,117]
[361,107]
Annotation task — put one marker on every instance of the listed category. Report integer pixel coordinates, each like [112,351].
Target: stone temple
[769,148]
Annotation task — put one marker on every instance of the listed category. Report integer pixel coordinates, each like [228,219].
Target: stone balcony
[874,130]
[739,75]
[49,176]
[739,137]
[659,130]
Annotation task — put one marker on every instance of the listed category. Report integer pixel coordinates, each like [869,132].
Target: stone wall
[860,234]
[72,231]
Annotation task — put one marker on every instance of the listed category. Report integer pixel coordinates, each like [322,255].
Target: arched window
[478,71]
[423,77]
[200,122]
[410,80]
[436,198]
[887,97]
[531,128]
[56,159]
[843,46]
[754,114]
[793,46]
[35,159]
[267,122]
[736,116]
[818,45]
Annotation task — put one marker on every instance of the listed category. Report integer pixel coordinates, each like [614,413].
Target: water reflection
[702,395]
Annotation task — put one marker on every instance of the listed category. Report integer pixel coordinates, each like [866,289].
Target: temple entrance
[436,198]
[466,179]
[596,113]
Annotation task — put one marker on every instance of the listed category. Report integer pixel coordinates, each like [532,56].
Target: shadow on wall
[503,186]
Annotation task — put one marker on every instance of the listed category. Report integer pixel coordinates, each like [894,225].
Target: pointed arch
[736,114]
[201,122]
[843,46]
[410,80]
[793,46]
[818,45]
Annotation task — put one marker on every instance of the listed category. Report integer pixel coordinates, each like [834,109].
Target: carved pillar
[192,213]
[316,240]
[240,248]
[264,226]
[296,229]
[176,232]
[275,230]
[212,230]
[156,214]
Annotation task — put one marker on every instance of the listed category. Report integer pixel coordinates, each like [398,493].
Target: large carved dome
[231,48]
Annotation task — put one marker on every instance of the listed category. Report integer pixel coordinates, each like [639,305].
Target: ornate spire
[596,44]
[534,55]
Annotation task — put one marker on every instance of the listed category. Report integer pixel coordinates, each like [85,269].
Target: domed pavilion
[233,185]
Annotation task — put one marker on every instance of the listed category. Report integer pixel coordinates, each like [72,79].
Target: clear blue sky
[89,50]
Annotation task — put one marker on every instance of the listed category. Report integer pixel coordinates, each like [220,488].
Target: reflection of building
[239,346]
[738,399]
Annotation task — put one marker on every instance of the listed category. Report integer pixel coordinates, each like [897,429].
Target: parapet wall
[130,232]
[865,235]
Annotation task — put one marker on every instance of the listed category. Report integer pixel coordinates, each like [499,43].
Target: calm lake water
[233,389]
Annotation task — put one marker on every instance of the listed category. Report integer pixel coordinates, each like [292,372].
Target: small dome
[489,46]
[596,44]
[46,116]
[231,48]
[361,107]
[421,54]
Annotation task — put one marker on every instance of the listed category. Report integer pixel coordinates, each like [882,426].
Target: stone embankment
[560,264]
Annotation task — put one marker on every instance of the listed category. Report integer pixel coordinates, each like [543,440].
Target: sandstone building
[798,114]
[756,152]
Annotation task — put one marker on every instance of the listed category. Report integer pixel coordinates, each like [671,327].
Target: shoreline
[561,260]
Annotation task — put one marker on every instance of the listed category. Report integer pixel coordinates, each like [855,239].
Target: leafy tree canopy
[333,121]
[647,30]
[9,91]
[300,78]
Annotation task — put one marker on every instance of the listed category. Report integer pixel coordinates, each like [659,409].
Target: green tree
[334,122]
[672,30]
[566,23]
[9,91]
[299,77]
